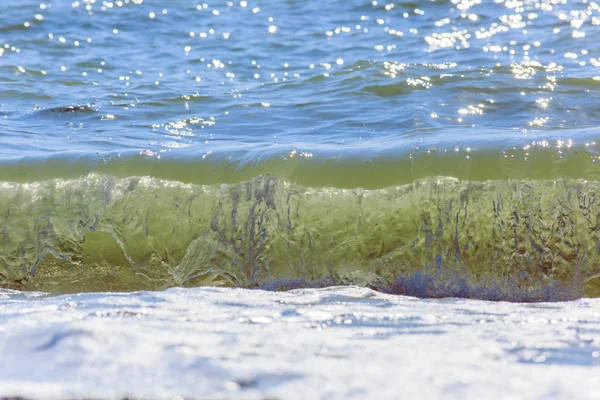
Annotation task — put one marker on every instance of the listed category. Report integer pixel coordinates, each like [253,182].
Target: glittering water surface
[156,77]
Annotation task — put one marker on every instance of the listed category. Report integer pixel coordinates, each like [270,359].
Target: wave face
[501,239]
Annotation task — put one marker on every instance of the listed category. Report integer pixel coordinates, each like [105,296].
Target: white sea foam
[315,343]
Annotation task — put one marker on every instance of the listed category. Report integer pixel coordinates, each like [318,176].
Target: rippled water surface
[186,77]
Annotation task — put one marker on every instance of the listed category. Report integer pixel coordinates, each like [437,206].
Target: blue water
[188,78]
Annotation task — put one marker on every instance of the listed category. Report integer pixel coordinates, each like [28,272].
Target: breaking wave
[503,239]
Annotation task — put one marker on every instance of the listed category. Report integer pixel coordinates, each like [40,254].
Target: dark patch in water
[280,285]
[424,285]
[69,110]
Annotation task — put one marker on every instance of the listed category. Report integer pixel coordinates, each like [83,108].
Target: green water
[103,232]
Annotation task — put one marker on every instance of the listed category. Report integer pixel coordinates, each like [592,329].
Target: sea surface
[195,197]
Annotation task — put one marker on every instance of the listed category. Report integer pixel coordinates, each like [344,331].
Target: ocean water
[169,170]
[436,148]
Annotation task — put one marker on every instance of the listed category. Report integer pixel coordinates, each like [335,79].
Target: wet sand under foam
[335,343]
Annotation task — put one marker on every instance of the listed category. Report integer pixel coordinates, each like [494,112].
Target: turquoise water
[439,148]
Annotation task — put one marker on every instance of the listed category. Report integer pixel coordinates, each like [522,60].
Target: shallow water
[437,149]
[442,148]
[335,343]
